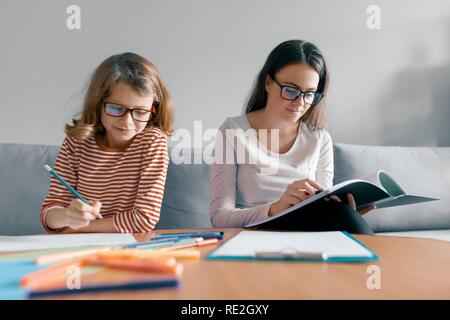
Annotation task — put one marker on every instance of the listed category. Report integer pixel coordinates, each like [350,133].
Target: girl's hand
[296,192]
[80,215]
[352,202]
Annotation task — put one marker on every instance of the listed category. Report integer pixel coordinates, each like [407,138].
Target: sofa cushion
[24,183]
[419,170]
[186,195]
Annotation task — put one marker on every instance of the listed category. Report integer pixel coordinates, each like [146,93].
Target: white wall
[388,86]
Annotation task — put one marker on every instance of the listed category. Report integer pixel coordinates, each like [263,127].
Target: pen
[68,187]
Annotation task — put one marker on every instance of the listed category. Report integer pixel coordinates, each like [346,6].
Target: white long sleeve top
[246,178]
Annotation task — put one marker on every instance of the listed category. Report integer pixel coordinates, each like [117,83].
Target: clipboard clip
[291,254]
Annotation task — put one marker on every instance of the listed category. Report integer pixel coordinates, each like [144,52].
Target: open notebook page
[38,242]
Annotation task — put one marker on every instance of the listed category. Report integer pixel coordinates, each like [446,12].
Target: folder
[328,246]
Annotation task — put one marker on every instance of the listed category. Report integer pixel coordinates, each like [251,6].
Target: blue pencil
[205,235]
[172,237]
[65,184]
[137,244]
[68,187]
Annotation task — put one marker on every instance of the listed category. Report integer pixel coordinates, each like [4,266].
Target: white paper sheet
[38,242]
[333,243]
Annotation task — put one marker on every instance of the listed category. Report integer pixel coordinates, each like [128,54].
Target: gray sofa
[424,171]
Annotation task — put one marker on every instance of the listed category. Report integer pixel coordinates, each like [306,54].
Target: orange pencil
[37,278]
[188,245]
[45,277]
[190,253]
[155,265]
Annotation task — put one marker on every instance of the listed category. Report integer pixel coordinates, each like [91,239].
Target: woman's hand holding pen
[296,192]
[79,215]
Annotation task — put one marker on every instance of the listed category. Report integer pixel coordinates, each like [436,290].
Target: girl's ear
[267,83]
[154,106]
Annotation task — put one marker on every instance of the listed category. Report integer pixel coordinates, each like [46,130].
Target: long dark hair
[289,52]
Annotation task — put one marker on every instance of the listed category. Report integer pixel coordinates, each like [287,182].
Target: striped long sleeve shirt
[129,183]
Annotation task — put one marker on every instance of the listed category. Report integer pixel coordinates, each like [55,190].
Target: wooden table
[410,268]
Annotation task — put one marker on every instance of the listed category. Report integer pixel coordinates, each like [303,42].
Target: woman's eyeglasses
[117,110]
[292,93]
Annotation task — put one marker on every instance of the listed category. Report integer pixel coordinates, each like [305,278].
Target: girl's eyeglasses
[117,110]
[292,93]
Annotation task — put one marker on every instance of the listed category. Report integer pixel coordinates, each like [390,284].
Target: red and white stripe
[129,183]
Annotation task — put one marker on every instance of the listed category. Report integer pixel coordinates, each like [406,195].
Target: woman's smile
[295,110]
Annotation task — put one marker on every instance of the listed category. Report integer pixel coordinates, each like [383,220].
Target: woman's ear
[267,83]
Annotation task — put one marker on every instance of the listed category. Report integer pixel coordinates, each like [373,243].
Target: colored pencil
[189,245]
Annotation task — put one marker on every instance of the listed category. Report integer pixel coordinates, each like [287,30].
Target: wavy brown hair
[133,70]
[289,52]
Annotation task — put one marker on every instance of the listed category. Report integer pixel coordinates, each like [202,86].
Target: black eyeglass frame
[318,96]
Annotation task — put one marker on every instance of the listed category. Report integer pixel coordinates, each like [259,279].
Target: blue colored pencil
[68,187]
[205,235]
[137,244]
[65,184]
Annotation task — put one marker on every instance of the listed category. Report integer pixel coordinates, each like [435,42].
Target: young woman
[285,117]
[115,154]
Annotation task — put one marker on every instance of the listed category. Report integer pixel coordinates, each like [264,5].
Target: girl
[285,107]
[115,154]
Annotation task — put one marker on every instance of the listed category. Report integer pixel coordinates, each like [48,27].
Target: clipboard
[328,246]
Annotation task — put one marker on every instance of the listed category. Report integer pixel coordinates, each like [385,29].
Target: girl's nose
[128,119]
